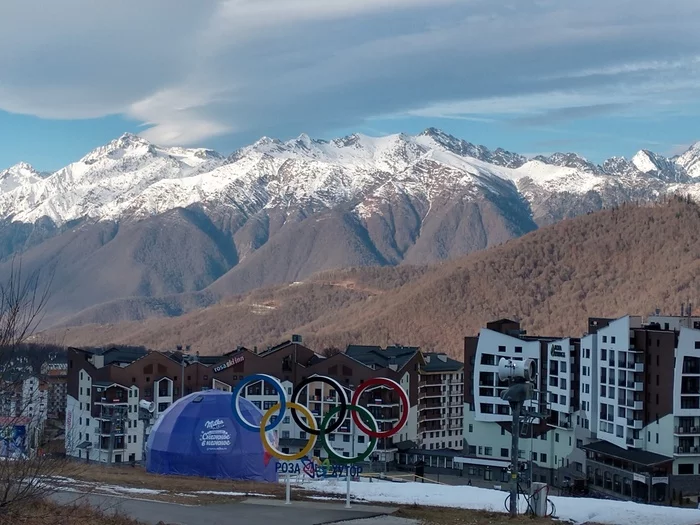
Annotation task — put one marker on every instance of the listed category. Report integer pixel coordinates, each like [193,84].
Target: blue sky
[534,76]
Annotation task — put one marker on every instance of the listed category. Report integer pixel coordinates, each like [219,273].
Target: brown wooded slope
[627,260]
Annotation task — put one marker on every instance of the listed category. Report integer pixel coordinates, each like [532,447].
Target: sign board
[216,436]
[640,477]
[556,351]
[656,481]
[231,362]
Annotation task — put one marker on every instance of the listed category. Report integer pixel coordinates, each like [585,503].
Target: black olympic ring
[343,411]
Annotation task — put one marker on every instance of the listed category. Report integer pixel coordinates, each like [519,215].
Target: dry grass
[137,477]
[47,513]
[450,516]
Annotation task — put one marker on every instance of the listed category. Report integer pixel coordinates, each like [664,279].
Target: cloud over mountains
[194,70]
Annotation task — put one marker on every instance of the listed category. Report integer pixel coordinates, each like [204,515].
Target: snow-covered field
[578,510]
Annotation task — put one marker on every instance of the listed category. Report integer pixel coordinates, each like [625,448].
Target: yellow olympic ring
[276,453]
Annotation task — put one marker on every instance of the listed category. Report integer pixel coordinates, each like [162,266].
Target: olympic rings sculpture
[362,417]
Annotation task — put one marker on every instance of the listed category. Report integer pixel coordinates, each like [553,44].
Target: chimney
[296,338]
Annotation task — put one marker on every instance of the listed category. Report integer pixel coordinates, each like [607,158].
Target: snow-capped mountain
[131,178]
[132,219]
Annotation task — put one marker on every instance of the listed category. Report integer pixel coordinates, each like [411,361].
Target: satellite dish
[510,370]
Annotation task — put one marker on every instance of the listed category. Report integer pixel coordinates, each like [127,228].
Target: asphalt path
[250,512]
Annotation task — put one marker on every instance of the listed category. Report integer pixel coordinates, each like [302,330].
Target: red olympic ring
[390,383]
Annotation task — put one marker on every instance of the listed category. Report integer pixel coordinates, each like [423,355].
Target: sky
[597,77]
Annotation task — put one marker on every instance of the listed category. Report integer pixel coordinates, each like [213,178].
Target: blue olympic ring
[279,389]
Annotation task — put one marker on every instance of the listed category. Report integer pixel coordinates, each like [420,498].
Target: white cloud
[193,70]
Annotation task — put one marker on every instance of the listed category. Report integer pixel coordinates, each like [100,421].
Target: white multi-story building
[685,446]
[102,423]
[549,443]
[642,399]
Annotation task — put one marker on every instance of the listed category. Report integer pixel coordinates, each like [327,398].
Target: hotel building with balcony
[550,443]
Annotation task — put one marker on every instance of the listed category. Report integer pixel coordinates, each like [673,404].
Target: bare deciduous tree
[26,474]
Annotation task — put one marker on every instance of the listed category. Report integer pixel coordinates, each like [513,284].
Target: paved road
[249,512]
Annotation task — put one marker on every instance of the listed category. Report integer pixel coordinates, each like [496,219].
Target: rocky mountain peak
[659,167]
[569,160]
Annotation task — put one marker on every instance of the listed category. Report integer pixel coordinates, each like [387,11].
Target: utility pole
[516,409]
[520,376]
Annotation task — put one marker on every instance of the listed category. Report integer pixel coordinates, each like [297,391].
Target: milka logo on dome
[214,424]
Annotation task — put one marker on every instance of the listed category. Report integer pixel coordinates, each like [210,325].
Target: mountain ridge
[627,260]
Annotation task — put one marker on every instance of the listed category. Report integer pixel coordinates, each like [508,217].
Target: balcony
[687,451]
[634,443]
[635,424]
[687,431]
[116,400]
[635,405]
[638,386]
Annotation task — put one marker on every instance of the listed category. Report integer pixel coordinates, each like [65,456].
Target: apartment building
[552,437]
[648,396]
[440,403]
[55,374]
[104,421]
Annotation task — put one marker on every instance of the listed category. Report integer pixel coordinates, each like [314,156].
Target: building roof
[437,362]
[640,457]
[123,355]
[382,358]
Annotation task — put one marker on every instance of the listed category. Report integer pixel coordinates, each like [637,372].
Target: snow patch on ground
[577,510]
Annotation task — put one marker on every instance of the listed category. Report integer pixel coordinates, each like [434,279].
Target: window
[488,451]
[579,443]
[471,428]
[518,349]
[612,339]
[503,431]
[603,353]
[556,437]
[543,458]
[562,367]
[685,468]
[504,452]
[501,348]
[605,338]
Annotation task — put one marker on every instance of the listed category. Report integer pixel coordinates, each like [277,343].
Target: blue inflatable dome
[197,436]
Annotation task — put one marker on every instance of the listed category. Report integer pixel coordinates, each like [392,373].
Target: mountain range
[134,230]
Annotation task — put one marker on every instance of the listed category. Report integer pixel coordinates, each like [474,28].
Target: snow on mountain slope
[19,175]
[130,177]
[103,184]
[658,166]
[690,161]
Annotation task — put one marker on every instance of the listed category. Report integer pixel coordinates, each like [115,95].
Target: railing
[113,401]
[687,430]
[687,450]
